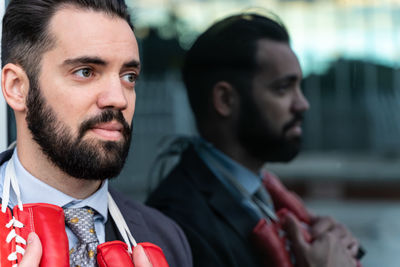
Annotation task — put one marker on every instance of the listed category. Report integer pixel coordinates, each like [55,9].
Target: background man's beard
[256,135]
[85,159]
[270,149]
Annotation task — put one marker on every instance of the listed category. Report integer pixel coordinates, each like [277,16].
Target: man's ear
[224,97]
[15,86]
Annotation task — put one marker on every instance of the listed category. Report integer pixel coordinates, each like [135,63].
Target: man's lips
[295,129]
[110,130]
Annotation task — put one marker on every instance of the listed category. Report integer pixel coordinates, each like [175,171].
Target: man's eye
[84,73]
[280,89]
[129,77]
[284,87]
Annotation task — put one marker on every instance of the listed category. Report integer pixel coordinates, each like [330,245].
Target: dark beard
[84,159]
[256,136]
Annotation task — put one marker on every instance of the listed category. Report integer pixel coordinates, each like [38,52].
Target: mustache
[298,117]
[106,116]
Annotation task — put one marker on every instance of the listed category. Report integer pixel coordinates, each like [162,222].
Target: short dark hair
[25,28]
[226,51]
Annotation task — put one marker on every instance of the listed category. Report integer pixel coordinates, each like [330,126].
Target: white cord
[121,224]
[12,145]
[14,222]
[15,186]
[13,256]
[6,189]
[18,239]
[10,179]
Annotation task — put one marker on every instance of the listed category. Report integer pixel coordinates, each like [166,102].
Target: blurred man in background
[243,83]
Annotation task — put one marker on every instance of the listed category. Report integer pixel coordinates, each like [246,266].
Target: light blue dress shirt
[239,180]
[34,190]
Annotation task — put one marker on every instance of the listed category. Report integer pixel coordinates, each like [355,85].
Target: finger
[321,225]
[354,262]
[346,238]
[353,248]
[33,252]
[294,233]
[299,246]
[340,231]
[140,258]
[347,241]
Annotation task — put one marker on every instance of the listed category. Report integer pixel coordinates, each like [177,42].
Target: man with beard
[69,74]
[243,83]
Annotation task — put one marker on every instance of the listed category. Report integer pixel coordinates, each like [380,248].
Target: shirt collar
[43,193]
[211,155]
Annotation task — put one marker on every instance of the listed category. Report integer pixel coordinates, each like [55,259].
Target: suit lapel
[219,198]
[111,230]
[232,211]
[5,155]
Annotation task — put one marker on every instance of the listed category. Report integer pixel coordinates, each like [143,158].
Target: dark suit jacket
[146,225]
[215,223]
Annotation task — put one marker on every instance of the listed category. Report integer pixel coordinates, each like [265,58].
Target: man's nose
[300,103]
[113,94]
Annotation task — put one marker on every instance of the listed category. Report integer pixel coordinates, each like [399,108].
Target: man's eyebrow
[132,64]
[85,60]
[287,78]
[98,61]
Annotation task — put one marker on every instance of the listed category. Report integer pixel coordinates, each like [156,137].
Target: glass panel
[348,50]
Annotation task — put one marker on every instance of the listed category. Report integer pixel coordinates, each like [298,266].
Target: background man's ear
[224,98]
[15,86]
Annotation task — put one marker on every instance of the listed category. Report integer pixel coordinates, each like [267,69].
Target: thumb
[294,232]
[33,252]
[140,258]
